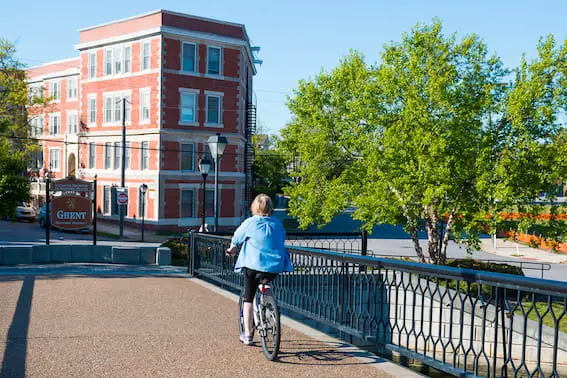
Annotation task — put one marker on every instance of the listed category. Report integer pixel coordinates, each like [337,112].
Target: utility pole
[123,166]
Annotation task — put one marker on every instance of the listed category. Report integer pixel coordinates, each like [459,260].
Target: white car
[25,212]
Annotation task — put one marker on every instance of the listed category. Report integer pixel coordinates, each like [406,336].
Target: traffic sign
[122,198]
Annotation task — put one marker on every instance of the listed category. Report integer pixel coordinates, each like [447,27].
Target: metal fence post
[191,252]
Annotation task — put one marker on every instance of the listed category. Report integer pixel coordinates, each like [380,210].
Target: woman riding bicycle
[262,256]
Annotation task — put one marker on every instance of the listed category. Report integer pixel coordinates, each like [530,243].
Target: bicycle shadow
[310,352]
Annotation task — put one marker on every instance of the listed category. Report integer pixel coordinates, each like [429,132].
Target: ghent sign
[71,212]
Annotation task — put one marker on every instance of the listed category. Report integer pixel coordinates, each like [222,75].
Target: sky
[297,38]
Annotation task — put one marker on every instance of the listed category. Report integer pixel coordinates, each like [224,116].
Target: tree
[269,169]
[15,148]
[432,135]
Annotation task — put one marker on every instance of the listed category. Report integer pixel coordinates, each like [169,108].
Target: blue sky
[297,38]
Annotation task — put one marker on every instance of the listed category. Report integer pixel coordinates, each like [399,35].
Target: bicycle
[266,320]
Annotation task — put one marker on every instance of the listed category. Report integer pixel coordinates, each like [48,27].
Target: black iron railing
[464,322]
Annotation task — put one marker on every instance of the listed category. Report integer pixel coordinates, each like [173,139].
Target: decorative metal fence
[464,322]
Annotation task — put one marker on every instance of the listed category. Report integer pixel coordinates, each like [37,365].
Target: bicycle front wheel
[241,314]
[272,332]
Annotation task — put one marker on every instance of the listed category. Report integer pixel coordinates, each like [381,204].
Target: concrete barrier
[147,255]
[61,252]
[17,255]
[126,255]
[102,254]
[41,254]
[82,253]
[163,256]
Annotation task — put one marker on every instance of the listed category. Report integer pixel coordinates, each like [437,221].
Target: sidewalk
[510,249]
[133,233]
[134,325]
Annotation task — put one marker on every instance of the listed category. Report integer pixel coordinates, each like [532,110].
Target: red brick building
[184,79]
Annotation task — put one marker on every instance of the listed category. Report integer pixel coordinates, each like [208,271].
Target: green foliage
[432,133]
[15,149]
[269,170]
[179,251]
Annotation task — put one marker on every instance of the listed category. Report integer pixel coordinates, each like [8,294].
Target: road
[21,233]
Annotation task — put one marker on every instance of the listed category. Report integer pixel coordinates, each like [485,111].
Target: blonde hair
[262,205]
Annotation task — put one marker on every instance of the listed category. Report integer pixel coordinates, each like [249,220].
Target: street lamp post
[204,166]
[143,190]
[217,144]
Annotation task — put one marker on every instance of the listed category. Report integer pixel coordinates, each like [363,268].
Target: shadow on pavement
[14,362]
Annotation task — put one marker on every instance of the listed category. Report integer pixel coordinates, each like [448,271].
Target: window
[72,122]
[186,203]
[114,207]
[35,92]
[127,162]
[107,155]
[188,107]
[145,55]
[144,154]
[145,105]
[210,203]
[141,200]
[213,60]
[118,60]
[113,108]
[72,89]
[39,158]
[54,123]
[117,154]
[108,62]
[213,110]
[92,65]
[187,157]
[92,110]
[106,200]
[55,90]
[54,159]
[127,59]
[92,155]
[188,57]
[107,109]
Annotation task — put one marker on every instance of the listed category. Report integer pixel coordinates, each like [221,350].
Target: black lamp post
[217,144]
[204,166]
[143,190]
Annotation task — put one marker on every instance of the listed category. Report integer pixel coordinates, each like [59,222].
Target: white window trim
[220,95]
[221,59]
[68,115]
[113,105]
[91,149]
[89,64]
[49,118]
[114,154]
[147,90]
[192,169]
[195,62]
[111,156]
[105,61]
[59,160]
[58,90]
[142,42]
[89,98]
[193,213]
[124,73]
[76,98]
[196,92]
[142,156]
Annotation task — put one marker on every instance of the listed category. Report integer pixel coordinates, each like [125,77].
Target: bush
[179,251]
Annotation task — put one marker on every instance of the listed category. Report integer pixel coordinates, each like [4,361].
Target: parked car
[25,212]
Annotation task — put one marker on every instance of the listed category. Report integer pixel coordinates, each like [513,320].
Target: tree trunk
[415,239]
[432,236]
[443,254]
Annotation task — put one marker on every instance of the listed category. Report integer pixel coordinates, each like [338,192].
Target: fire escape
[249,151]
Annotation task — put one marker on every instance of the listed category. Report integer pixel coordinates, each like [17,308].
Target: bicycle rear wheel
[271,332]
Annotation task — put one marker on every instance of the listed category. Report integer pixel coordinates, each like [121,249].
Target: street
[22,233]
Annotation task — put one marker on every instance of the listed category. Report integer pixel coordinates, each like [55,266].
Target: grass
[107,234]
[558,309]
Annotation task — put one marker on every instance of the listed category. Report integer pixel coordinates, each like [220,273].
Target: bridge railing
[464,322]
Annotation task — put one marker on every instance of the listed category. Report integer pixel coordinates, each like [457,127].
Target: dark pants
[253,278]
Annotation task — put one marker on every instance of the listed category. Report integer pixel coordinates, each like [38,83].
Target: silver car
[25,212]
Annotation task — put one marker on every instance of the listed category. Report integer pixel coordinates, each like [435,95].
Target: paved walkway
[99,320]
[511,249]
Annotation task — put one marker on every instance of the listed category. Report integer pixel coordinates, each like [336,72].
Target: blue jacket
[263,245]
